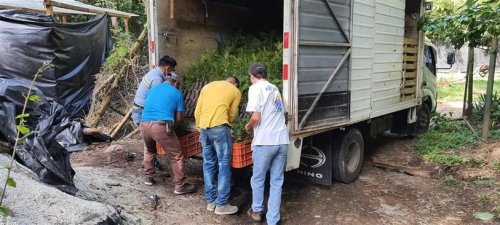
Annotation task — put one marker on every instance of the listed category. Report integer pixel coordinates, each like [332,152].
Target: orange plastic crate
[242,154]
[190,145]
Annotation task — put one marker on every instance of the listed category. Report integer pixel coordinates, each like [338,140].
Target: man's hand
[248,129]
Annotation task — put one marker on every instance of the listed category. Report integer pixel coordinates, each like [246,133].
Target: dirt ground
[379,196]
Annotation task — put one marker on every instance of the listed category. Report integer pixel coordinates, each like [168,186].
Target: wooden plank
[78,6]
[409,66]
[410,58]
[410,50]
[410,90]
[410,82]
[411,41]
[410,74]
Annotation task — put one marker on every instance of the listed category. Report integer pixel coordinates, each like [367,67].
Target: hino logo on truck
[313,157]
[310,174]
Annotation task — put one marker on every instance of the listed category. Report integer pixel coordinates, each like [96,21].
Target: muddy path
[379,196]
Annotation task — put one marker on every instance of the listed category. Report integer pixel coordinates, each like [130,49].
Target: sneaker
[149,181]
[226,209]
[211,206]
[256,216]
[188,188]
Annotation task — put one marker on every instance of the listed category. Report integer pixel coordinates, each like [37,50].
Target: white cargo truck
[352,69]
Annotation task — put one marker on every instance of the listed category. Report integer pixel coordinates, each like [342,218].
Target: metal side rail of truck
[352,69]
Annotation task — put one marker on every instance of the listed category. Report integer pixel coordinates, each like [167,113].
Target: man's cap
[174,76]
[257,68]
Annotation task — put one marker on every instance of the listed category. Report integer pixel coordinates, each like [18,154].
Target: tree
[475,22]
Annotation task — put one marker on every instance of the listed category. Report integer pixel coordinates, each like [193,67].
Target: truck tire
[424,118]
[348,155]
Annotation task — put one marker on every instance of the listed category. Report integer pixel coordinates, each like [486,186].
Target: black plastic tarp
[77,51]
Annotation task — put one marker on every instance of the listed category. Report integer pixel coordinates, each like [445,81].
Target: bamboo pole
[132,133]
[121,124]
[125,21]
[489,91]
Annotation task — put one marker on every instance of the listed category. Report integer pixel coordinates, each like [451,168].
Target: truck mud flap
[316,159]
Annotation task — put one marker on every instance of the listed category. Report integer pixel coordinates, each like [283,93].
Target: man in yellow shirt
[216,110]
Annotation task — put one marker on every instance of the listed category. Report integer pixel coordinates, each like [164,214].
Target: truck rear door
[317,58]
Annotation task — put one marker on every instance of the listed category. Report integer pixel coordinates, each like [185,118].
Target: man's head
[167,64]
[173,79]
[234,81]
[257,71]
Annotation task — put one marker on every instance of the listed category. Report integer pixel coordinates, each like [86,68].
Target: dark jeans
[153,134]
[217,148]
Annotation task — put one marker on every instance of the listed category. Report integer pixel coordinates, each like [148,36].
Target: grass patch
[484,197]
[440,143]
[451,180]
[455,92]
[497,166]
[485,182]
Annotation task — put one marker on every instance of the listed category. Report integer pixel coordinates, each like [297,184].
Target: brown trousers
[152,134]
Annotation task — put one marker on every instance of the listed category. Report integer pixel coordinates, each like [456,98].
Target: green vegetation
[455,92]
[484,197]
[495,108]
[234,57]
[440,143]
[497,166]
[484,216]
[136,24]
[239,133]
[450,180]
[485,182]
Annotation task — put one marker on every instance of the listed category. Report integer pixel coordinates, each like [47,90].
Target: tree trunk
[489,91]
[470,82]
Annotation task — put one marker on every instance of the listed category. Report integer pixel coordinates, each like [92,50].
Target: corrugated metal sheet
[322,45]
[388,54]
[362,59]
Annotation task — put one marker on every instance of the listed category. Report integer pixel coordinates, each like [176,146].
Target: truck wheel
[424,118]
[348,156]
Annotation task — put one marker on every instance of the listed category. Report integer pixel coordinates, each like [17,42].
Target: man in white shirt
[269,145]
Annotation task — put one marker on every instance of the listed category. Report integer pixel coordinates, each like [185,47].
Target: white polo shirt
[265,98]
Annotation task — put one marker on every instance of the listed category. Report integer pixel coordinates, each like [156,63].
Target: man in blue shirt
[154,77]
[162,108]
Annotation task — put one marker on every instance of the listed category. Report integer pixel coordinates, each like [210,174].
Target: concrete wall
[481,56]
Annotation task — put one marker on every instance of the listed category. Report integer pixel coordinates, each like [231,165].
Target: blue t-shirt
[162,102]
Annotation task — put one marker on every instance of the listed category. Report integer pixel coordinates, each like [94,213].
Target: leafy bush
[234,58]
[495,108]
[239,133]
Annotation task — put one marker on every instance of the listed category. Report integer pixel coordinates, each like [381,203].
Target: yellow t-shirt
[217,104]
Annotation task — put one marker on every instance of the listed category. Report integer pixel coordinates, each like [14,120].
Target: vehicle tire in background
[423,119]
[348,155]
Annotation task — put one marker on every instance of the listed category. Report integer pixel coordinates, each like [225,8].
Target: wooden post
[64,18]
[125,20]
[48,7]
[171,9]
[114,22]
